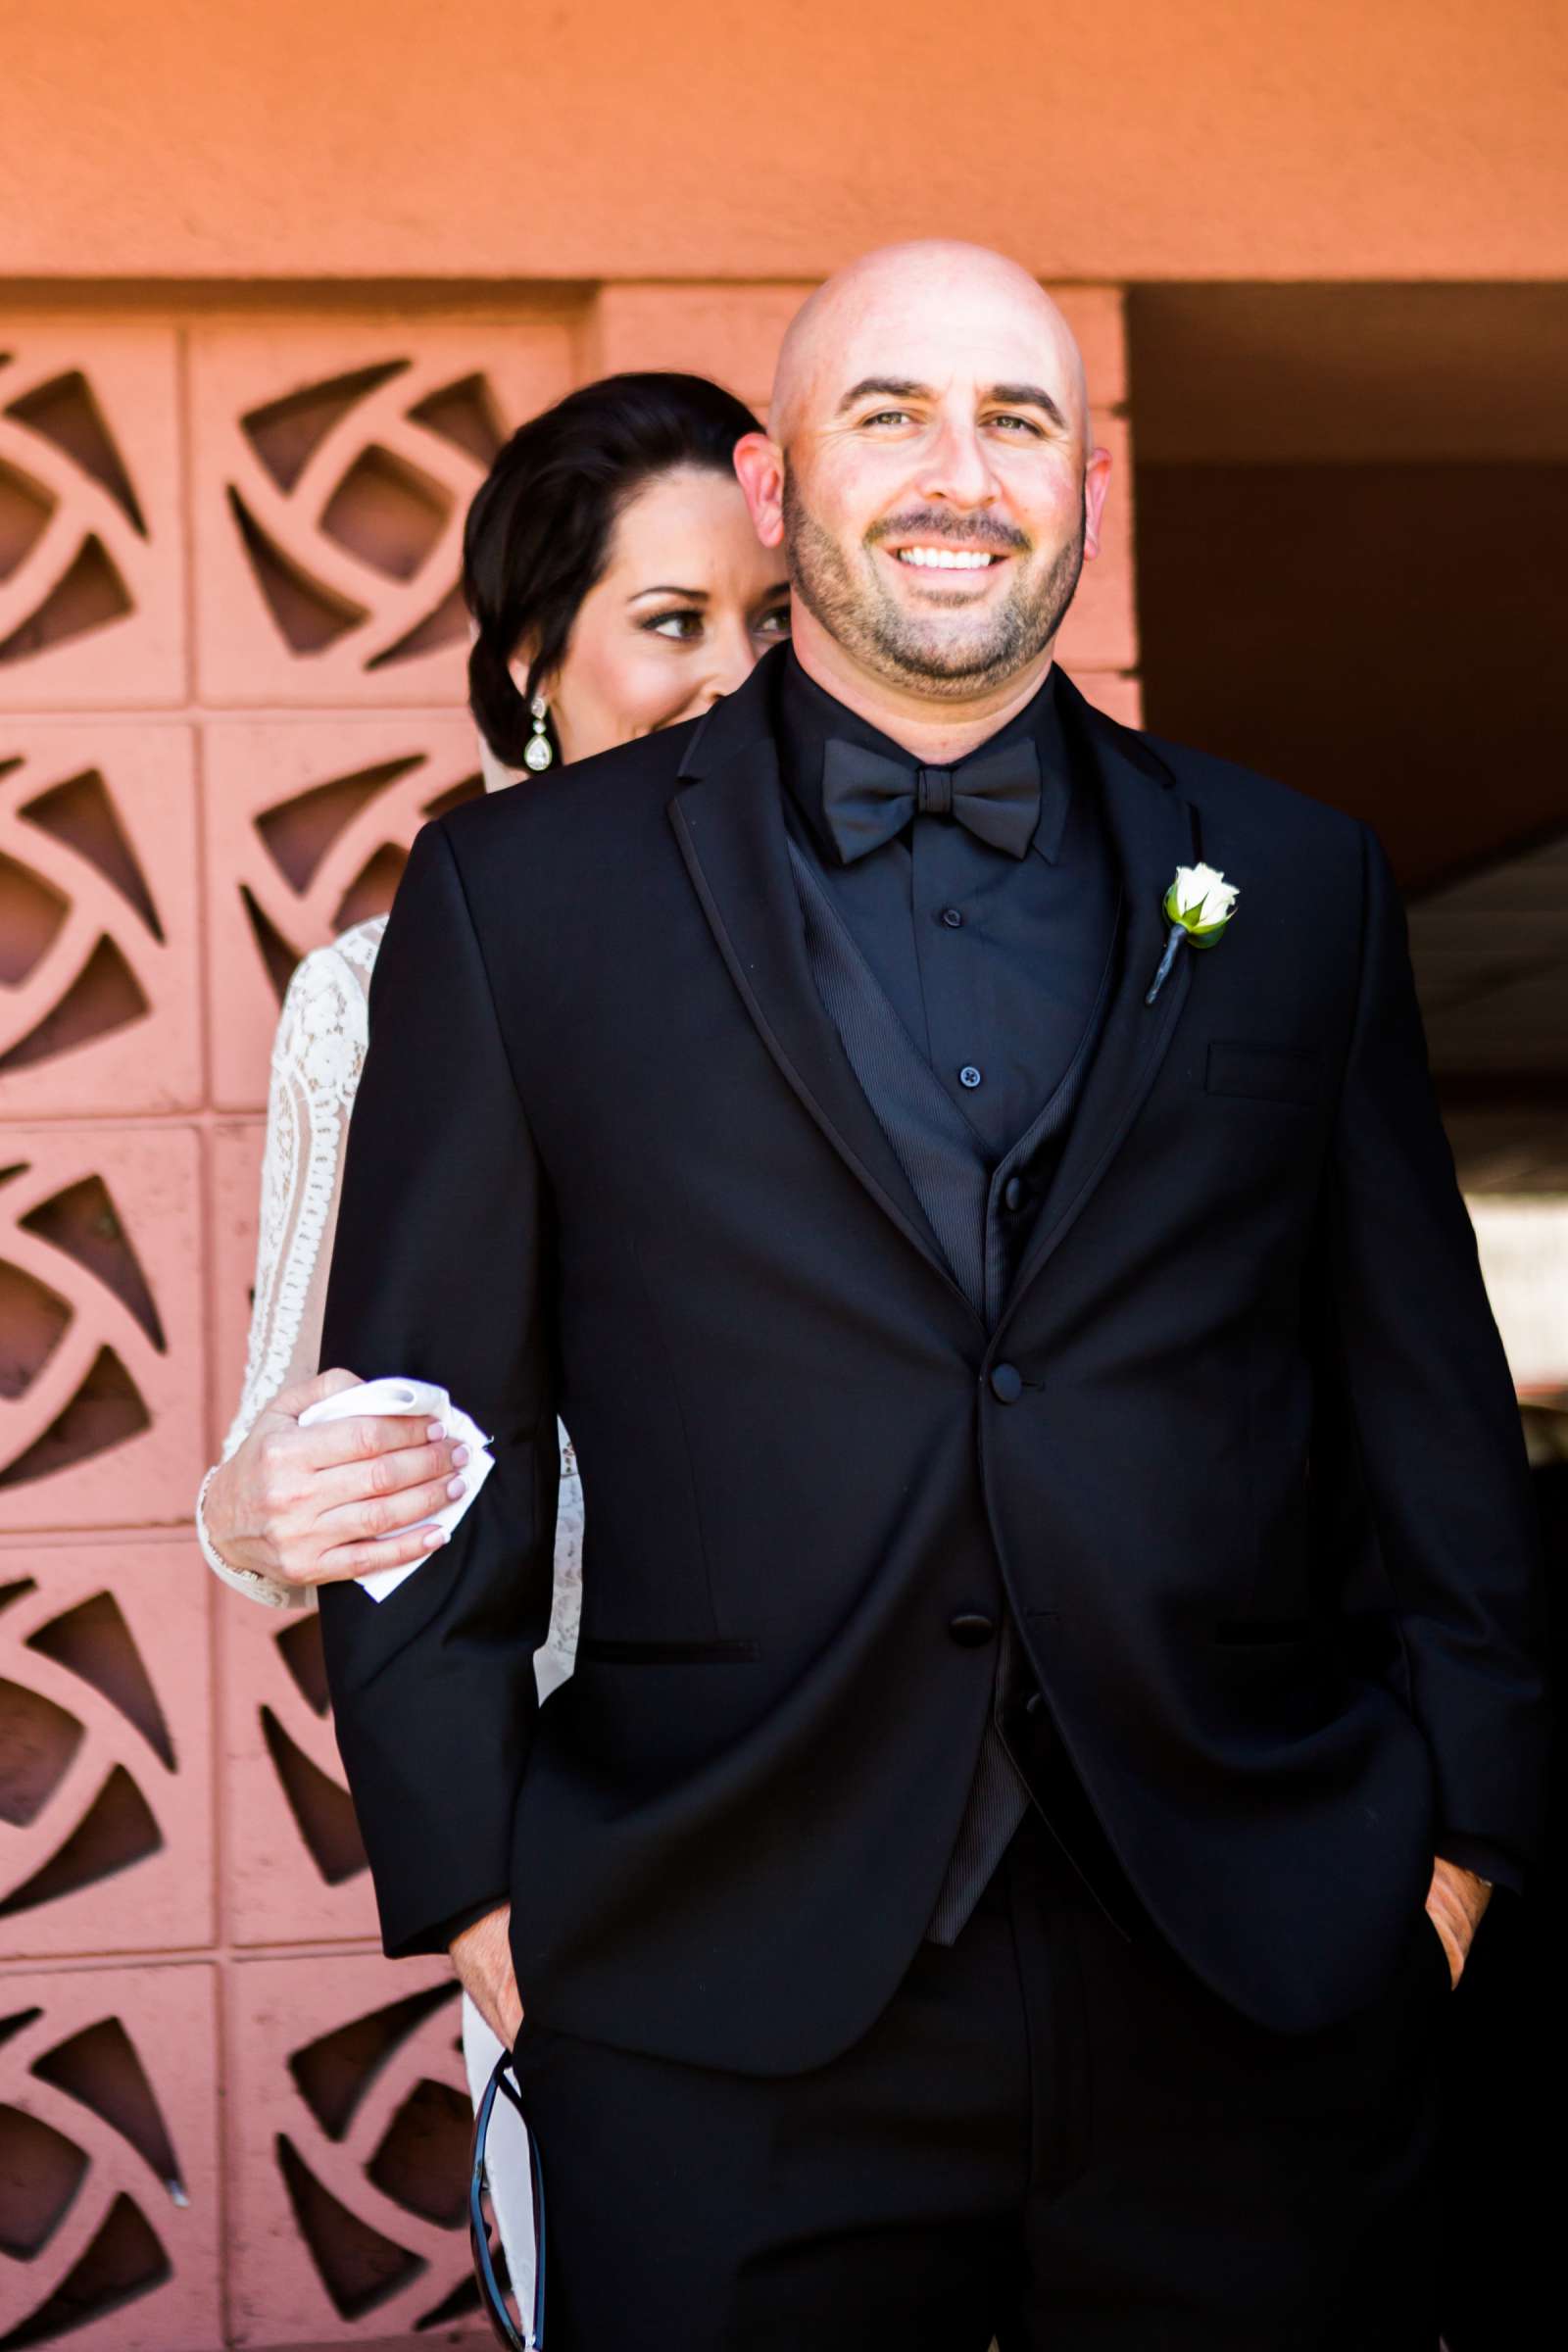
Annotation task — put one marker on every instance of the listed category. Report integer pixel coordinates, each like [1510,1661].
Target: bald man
[1057,1679]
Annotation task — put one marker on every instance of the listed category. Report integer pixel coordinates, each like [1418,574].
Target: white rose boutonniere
[1199,906]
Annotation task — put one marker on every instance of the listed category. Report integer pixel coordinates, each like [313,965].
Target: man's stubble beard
[883,638]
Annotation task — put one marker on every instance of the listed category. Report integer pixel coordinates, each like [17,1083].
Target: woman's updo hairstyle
[538,533]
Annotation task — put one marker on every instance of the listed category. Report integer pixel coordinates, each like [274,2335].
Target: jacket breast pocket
[1264,1073]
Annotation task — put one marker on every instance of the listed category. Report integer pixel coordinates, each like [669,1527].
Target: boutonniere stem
[1197,906]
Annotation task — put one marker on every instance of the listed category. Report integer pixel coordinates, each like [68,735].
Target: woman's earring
[539,753]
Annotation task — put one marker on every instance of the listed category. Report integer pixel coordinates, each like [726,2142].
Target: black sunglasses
[503,2082]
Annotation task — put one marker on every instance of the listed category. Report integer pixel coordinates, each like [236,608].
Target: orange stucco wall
[532,139]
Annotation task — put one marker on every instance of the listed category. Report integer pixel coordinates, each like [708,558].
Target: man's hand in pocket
[1455,1901]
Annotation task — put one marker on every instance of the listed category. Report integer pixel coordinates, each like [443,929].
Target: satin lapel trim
[729,826]
[1152,832]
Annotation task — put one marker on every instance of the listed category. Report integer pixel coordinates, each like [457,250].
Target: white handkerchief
[424,1401]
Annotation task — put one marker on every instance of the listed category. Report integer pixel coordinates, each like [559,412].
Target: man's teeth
[947,559]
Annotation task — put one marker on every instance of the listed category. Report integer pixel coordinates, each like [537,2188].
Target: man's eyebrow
[903,387]
[1027,396]
[886,387]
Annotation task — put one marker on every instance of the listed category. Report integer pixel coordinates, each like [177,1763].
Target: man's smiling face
[938,496]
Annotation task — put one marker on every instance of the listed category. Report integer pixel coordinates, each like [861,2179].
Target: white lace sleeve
[317,1059]
[317,1054]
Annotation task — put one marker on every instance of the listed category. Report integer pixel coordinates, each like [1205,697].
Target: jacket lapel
[1152,831]
[728,822]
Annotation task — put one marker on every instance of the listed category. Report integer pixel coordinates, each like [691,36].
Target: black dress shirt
[993,967]
[992,963]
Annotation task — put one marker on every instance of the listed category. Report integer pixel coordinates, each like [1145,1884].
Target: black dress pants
[1053,2136]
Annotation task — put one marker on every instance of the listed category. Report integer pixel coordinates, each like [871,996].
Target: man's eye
[683,627]
[1019,425]
[887,417]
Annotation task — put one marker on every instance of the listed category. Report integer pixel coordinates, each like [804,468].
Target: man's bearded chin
[944,656]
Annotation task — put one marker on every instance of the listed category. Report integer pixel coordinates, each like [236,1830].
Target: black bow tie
[868,799]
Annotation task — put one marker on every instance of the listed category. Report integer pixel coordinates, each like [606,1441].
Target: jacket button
[1014,1193]
[971,1629]
[1006,1383]
[1034,1706]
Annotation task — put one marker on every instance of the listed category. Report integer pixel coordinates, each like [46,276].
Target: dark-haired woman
[615,585]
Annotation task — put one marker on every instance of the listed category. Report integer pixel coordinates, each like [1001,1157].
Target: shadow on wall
[1386,638]
[1351,509]
[1352,503]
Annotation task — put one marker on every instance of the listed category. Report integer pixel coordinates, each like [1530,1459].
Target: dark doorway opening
[1352,533]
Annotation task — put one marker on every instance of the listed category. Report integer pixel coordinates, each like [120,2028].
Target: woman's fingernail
[436,1431]
[435,1538]
[460,1454]
[457,1486]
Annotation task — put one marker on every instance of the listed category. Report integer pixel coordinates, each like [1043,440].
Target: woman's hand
[306,1506]
[483,1958]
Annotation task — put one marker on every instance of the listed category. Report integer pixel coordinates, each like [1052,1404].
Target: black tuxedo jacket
[609,1160]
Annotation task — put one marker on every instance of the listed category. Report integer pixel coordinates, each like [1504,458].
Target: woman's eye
[683,627]
[775,624]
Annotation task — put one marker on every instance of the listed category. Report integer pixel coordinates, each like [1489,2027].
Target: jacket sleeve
[1436,1419]
[436,1273]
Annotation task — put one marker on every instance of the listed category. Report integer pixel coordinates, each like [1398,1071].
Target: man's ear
[1097,481]
[760,468]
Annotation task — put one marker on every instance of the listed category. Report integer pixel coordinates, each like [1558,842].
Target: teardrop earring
[539,753]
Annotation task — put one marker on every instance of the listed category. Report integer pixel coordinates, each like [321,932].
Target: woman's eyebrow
[695,596]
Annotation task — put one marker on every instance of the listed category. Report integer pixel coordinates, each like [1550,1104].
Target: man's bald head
[900,300]
[928,471]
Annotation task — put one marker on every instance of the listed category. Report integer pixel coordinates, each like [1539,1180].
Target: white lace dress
[317,1059]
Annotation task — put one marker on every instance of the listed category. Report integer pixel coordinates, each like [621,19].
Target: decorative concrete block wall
[231,656]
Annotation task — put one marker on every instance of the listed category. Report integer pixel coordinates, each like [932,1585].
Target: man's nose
[958,470]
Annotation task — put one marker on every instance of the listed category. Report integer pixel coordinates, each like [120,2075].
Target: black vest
[982,1218]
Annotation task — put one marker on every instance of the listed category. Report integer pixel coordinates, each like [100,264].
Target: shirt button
[969,1076]
[1014,1193]
[1006,1383]
[971,1630]
[953,918]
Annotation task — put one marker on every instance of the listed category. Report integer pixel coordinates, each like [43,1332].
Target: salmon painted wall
[274,280]
[535,140]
